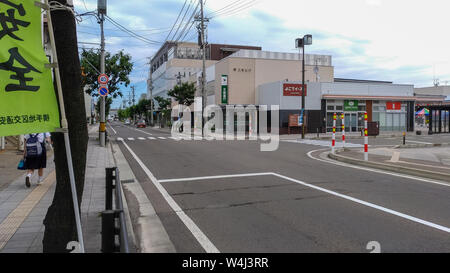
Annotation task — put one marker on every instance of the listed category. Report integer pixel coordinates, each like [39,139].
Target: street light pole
[300,43]
[203,64]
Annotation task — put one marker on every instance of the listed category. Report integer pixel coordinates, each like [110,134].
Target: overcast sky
[404,41]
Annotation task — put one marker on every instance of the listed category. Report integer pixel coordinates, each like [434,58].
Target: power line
[236,9]
[187,23]
[229,5]
[182,19]
[176,21]
[135,35]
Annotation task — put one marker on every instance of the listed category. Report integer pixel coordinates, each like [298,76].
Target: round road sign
[103,79]
[103,91]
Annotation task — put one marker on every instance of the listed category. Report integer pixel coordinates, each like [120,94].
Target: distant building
[176,62]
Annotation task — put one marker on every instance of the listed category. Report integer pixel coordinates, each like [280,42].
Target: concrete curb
[151,236]
[422,145]
[387,167]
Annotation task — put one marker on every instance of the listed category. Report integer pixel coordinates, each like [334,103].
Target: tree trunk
[60,227]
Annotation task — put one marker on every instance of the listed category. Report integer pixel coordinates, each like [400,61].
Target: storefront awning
[389,98]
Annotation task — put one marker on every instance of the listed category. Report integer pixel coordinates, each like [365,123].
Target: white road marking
[420,142]
[161,137]
[412,218]
[143,131]
[113,129]
[151,137]
[204,241]
[356,200]
[141,138]
[396,213]
[211,177]
[330,161]
[119,139]
[130,138]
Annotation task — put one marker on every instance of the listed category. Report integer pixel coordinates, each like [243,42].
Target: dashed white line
[131,138]
[151,138]
[161,137]
[141,138]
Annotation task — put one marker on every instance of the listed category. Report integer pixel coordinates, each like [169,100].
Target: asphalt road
[297,204]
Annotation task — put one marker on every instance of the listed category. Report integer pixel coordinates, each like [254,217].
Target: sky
[404,41]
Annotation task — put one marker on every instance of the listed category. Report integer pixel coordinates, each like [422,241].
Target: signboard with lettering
[293,89]
[393,106]
[28,101]
[350,105]
[293,120]
[224,89]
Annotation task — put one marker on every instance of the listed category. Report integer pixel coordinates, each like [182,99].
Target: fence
[113,220]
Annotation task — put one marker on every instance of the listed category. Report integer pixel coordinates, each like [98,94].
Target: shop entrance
[351,122]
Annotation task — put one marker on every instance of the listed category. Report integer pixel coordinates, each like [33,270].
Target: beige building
[248,69]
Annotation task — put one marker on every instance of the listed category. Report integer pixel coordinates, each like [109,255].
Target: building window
[330,107]
[339,107]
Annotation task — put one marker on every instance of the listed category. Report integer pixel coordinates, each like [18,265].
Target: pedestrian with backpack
[35,155]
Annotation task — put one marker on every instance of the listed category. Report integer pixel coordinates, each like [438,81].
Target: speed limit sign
[103,79]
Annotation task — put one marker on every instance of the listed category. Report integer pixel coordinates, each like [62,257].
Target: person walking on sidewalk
[35,155]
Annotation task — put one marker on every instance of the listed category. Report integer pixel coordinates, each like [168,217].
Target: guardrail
[113,220]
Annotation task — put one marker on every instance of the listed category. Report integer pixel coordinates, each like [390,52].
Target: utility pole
[101,15]
[202,26]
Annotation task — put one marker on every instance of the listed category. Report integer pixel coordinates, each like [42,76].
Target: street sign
[103,91]
[103,79]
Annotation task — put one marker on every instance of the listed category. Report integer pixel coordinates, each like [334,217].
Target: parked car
[127,122]
[141,124]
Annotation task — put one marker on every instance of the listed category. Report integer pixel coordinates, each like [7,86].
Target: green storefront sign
[224,89]
[350,105]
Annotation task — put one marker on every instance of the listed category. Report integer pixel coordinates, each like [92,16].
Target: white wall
[364,89]
[272,94]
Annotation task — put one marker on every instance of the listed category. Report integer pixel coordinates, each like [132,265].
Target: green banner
[350,105]
[28,101]
[224,89]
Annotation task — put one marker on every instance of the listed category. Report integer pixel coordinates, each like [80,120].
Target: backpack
[34,147]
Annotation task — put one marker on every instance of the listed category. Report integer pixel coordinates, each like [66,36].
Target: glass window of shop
[354,119]
[389,120]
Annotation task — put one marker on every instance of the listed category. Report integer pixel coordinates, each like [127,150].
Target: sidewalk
[432,162]
[22,210]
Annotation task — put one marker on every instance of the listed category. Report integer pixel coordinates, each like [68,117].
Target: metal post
[343,129]
[2,143]
[108,231]
[333,140]
[404,138]
[203,65]
[366,139]
[64,126]
[102,71]
[303,90]
[109,189]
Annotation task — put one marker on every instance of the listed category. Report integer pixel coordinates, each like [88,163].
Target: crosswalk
[147,138]
[323,143]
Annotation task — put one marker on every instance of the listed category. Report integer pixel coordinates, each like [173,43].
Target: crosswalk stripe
[141,138]
[119,139]
[130,138]
[161,137]
[151,137]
